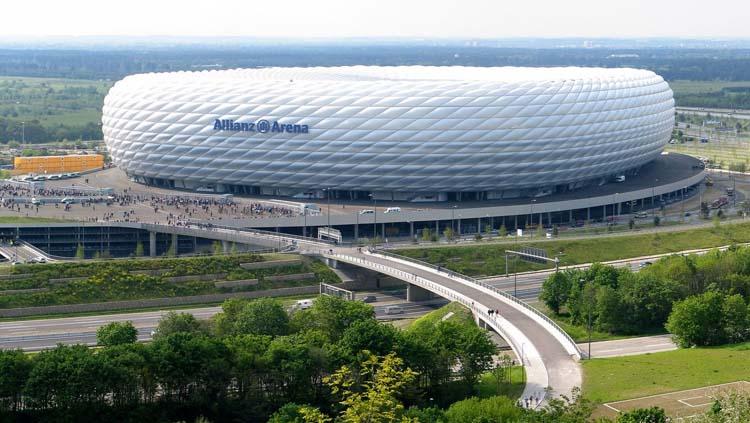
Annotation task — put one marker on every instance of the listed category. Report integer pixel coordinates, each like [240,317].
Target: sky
[307,19]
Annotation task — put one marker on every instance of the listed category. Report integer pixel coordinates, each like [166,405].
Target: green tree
[448,234]
[218,249]
[15,367]
[555,291]
[697,320]
[116,333]
[139,249]
[503,231]
[643,415]
[331,316]
[657,220]
[174,322]
[426,235]
[265,316]
[734,315]
[370,393]
[80,253]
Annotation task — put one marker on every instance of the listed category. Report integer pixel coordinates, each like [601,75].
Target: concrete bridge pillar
[175,244]
[417,293]
[152,244]
[411,230]
[356,232]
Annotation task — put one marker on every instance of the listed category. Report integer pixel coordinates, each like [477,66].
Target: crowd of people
[127,206]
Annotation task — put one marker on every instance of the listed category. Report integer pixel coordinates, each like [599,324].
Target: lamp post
[23,134]
[531,214]
[453,219]
[304,230]
[328,199]
[375,217]
[583,281]
[653,194]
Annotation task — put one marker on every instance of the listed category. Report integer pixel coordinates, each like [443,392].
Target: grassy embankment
[486,260]
[150,278]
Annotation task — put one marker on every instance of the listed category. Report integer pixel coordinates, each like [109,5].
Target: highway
[20,252]
[39,334]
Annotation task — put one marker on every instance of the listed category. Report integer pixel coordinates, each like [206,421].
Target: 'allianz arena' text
[412,133]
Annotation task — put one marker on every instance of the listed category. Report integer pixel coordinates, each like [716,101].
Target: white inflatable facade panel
[397,129]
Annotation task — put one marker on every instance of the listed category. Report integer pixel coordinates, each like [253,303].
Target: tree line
[702,299]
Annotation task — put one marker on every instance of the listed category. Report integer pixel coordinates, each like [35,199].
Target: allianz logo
[262,126]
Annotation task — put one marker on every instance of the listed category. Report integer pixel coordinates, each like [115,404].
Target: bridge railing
[471,280]
[202,226]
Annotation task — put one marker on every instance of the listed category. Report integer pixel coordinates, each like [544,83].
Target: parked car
[393,210]
[367,211]
[368,299]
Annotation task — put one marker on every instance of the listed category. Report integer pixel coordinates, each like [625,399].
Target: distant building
[57,164]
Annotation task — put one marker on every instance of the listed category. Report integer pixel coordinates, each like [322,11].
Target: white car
[393,210]
[367,211]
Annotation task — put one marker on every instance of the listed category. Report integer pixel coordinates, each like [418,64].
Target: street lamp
[583,281]
[23,134]
[531,214]
[653,194]
[375,217]
[328,199]
[453,219]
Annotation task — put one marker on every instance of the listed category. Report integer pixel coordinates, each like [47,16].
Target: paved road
[20,252]
[630,346]
[34,335]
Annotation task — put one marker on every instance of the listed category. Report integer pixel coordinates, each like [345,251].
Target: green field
[52,109]
[722,154]
[712,94]
[486,260]
[683,87]
[613,379]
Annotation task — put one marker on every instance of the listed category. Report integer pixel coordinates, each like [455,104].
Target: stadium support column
[459,227]
[588,213]
[225,247]
[152,244]
[411,230]
[175,244]
[479,225]
[437,228]
[570,216]
[356,232]
[417,293]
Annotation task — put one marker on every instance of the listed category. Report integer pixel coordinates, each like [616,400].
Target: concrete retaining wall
[23,291]
[15,277]
[189,278]
[236,284]
[67,280]
[270,264]
[157,302]
[292,277]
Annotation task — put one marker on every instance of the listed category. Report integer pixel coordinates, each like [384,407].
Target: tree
[657,221]
[697,320]
[555,291]
[331,316]
[643,415]
[369,335]
[265,316]
[218,248]
[370,393]
[734,315]
[80,252]
[116,333]
[139,249]
[448,234]
[426,236]
[15,367]
[174,322]
[503,231]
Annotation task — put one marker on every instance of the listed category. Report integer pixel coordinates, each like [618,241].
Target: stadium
[399,133]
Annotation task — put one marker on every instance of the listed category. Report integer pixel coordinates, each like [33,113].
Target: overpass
[550,357]
[548,354]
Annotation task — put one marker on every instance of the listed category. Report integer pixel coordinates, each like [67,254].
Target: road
[702,111]
[39,334]
[630,346]
[20,252]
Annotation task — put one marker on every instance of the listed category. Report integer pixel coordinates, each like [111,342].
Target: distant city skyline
[381,18]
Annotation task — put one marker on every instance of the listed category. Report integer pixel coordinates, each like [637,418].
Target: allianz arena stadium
[408,133]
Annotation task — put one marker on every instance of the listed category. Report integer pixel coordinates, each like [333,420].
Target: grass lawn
[460,314]
[612,379]
[488,260]
[721,154]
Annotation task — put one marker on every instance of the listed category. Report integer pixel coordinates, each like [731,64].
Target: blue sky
[380,18]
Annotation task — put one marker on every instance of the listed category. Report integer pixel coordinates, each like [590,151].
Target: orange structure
[57,164]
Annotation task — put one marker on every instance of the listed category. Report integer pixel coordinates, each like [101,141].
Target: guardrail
[471,280]
[209,227]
